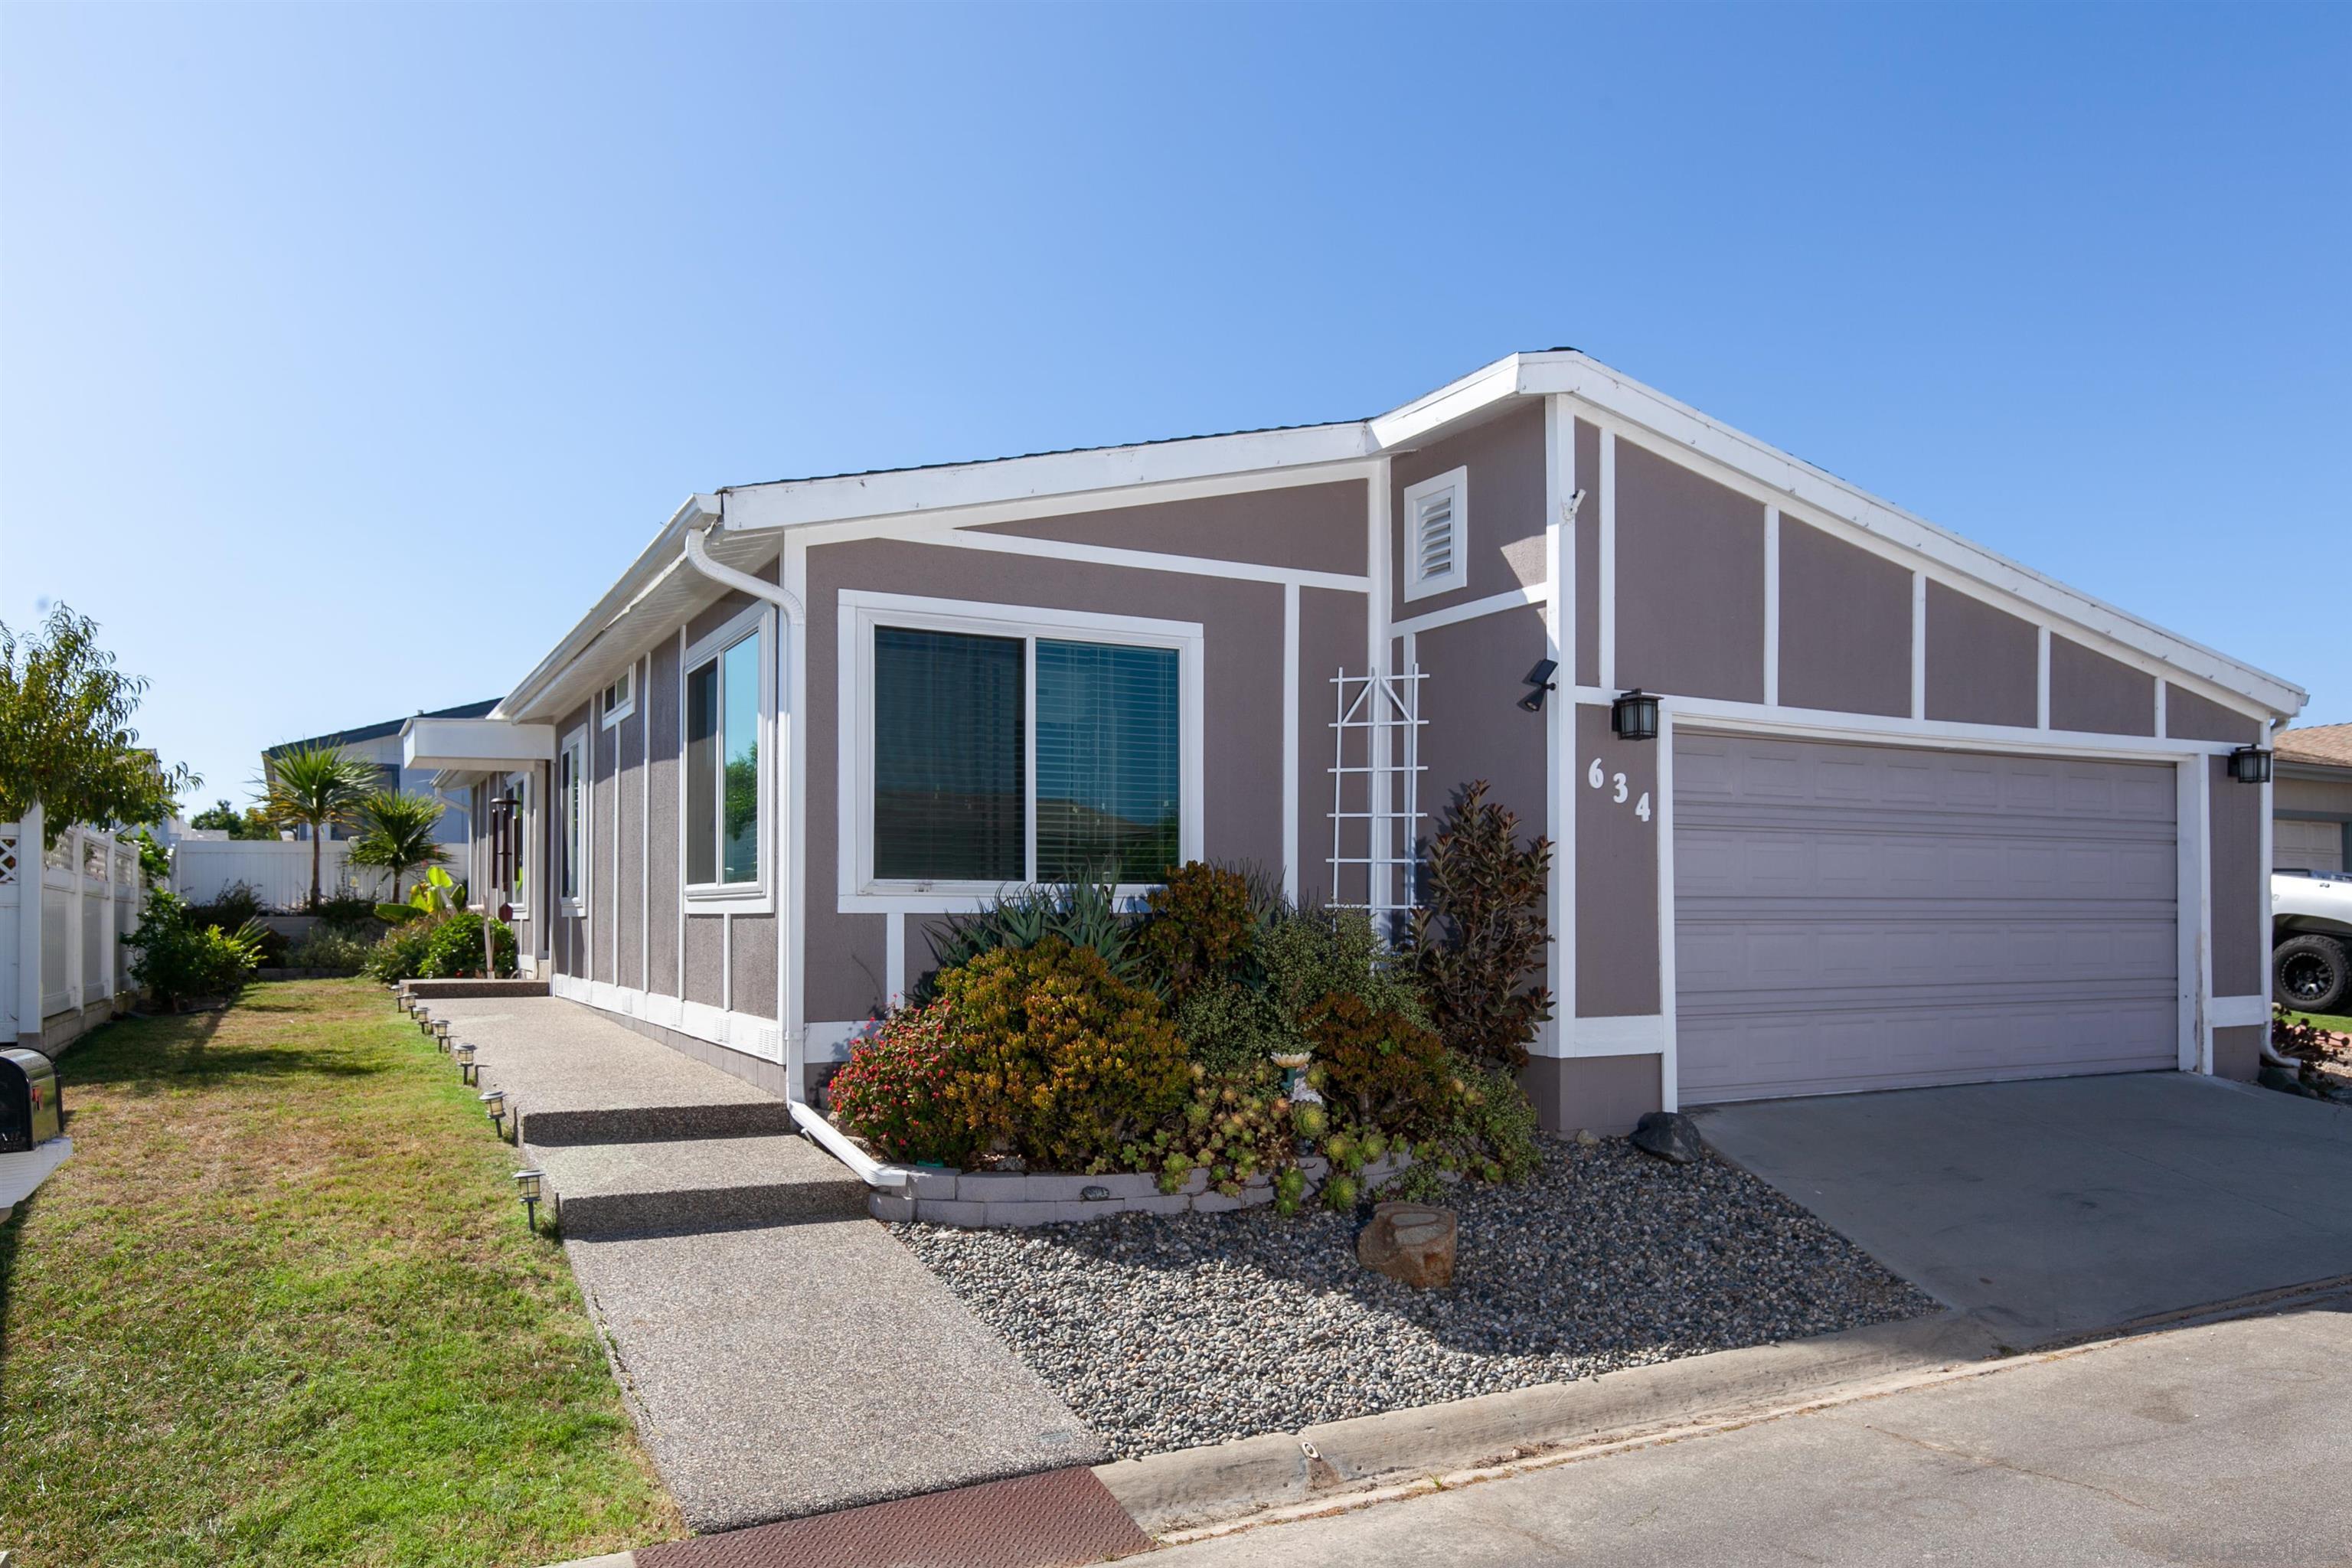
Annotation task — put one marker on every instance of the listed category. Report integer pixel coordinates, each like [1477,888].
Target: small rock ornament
[1670,1135]
[1412,1243]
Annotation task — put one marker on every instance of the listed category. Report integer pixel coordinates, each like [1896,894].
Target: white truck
[2311,941]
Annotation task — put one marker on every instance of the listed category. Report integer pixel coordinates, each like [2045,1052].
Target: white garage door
[1857,916]
[2307,846]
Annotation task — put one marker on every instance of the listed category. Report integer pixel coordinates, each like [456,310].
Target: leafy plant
[1381,1070]
[1197,928]
[347,912]
[454,949]
[314,787]
[1480,933]
[1226,1025]
[891,1091]
[397,834]
[230,907]
[65,740]
[181,959]
[399,953]
[1061,1061]
[154,860]
[1314,953]
[436,892]
[252,822]
[338,950]
[1081,914]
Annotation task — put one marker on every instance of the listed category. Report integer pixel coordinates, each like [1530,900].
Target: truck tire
[2311,973]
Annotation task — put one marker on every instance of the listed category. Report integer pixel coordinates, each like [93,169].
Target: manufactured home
[1840,801]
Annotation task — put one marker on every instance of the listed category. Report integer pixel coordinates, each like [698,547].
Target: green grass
[2339,1022]
[280,1307]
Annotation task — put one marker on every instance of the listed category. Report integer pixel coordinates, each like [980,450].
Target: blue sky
[346,353]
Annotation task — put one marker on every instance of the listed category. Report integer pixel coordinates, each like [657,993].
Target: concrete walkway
[2061,1206]
[781,1354]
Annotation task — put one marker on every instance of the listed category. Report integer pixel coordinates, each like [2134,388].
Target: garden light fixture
[441,1033]
[464,1052]
[494,1104]
[527,1189]
[2250,765]
[1635,716]
[1539,680]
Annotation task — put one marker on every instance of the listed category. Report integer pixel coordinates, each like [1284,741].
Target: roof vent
[1437,517]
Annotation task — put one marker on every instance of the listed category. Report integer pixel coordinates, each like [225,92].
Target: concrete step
[680,1187]
[562,1125]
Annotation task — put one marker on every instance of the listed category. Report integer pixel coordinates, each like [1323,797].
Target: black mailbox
[29,1111]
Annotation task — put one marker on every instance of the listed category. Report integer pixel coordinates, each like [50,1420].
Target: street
[2224,1443]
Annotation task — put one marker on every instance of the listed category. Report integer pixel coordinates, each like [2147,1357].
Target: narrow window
[948,756]
[722,767]
[571,794]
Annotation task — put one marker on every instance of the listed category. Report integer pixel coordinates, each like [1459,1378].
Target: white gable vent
[1437,533]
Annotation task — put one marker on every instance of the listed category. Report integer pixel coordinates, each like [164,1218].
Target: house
[2311,816]
[1905,812]
[379,744]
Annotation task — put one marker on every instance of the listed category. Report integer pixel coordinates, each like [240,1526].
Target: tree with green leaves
[253,822]
[315,786]
[65,740]
[398,833]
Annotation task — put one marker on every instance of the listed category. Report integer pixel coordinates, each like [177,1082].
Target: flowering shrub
[892,1091]
[1057,1059]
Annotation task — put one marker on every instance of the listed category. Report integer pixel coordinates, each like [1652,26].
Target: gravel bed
[1164,1331]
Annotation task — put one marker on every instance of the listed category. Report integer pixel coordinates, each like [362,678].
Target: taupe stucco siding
[629,850]
[2238,1052]
[704,982]
[1690,582]
[662,891]
[1331,637]
[726,606]
[571,932]
[843,968]
[2241,884]
[1314,528]
[1476,727]
[1616,870]
[1506,535]
[604,850]
[1601,1094]
[2188,717]
[1586,548]
[2090,691]
[752,979]
[1983,664]
[1846,625]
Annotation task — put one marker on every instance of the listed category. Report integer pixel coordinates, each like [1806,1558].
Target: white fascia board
[1580,376]
[662,556]
[472,745]
[1456,402]
[792,503]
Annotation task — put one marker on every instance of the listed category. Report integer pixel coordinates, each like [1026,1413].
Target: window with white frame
[618,701]
[1005,745]
[572,825]
[1437,533]
[726,703]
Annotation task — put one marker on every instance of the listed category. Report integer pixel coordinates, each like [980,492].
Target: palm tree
[314,785]
[399,834]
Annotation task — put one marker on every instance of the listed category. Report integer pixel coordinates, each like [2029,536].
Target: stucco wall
[1599,1094]
[1616,868]
[1690,582]
[1476,729]
[2190,717]
[1506,535]
[1315,528]
[1983,664]
[2240,882]
[1586,550]
[2090,691]
[1331,637]
[661,699]
[1846,625]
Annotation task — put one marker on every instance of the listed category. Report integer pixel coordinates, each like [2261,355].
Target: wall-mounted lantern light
[1635,716]
[494,1105]
[527,1189]
[1539,680]
[2250,765]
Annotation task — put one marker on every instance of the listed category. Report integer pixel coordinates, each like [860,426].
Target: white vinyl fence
[278,869]
[63,916]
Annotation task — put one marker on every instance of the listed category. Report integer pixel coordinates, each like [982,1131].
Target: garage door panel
[1855,916]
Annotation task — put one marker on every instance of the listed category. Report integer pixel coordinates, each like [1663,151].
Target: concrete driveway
[2052,1207]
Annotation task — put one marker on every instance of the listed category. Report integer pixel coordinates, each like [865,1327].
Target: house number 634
[1615,784]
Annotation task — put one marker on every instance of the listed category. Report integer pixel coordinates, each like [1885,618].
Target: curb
[1191,1487]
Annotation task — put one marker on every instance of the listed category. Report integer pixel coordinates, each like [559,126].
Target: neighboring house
[1914,814]
[380,744]
[2311,804]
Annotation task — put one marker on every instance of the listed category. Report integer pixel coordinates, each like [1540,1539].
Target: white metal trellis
[1376,790]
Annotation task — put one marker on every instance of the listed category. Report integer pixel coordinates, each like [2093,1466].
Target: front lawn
[280,1306]
[2339,1023]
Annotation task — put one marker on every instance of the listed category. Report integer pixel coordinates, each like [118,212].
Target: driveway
[2052,1208]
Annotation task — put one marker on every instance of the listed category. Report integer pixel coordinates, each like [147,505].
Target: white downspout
[710,517]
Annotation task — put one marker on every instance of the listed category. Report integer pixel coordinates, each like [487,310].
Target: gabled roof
[378,731]
[954,493]
[2327,745]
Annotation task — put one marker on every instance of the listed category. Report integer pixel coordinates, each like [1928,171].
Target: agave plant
[398,833]
[314,785]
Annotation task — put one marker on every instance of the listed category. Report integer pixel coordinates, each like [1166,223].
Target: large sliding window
[725,702]
[1025,755]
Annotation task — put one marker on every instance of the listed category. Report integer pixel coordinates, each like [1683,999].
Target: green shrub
[1381,1071]
[339,951]
[182,960]
[1058,1060]
[236,903]
[1312,954]
[1197,929]
[454,950]
[1083,914]
[891,1091]
[1479,938]
[399,953]
[1227,1025]
[348,911]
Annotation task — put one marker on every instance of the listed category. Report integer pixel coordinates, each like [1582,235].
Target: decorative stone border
[991,1200]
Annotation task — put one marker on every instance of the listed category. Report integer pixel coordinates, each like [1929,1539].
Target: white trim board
[1472,609]
[745,1032]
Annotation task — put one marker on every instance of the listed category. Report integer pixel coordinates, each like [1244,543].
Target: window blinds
[1107,774]
[949,782]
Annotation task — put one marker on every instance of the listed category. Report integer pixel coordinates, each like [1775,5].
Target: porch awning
[473,745]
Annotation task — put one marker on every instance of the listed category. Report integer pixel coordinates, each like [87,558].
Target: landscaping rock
[1412,1243]
[1670,1135]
